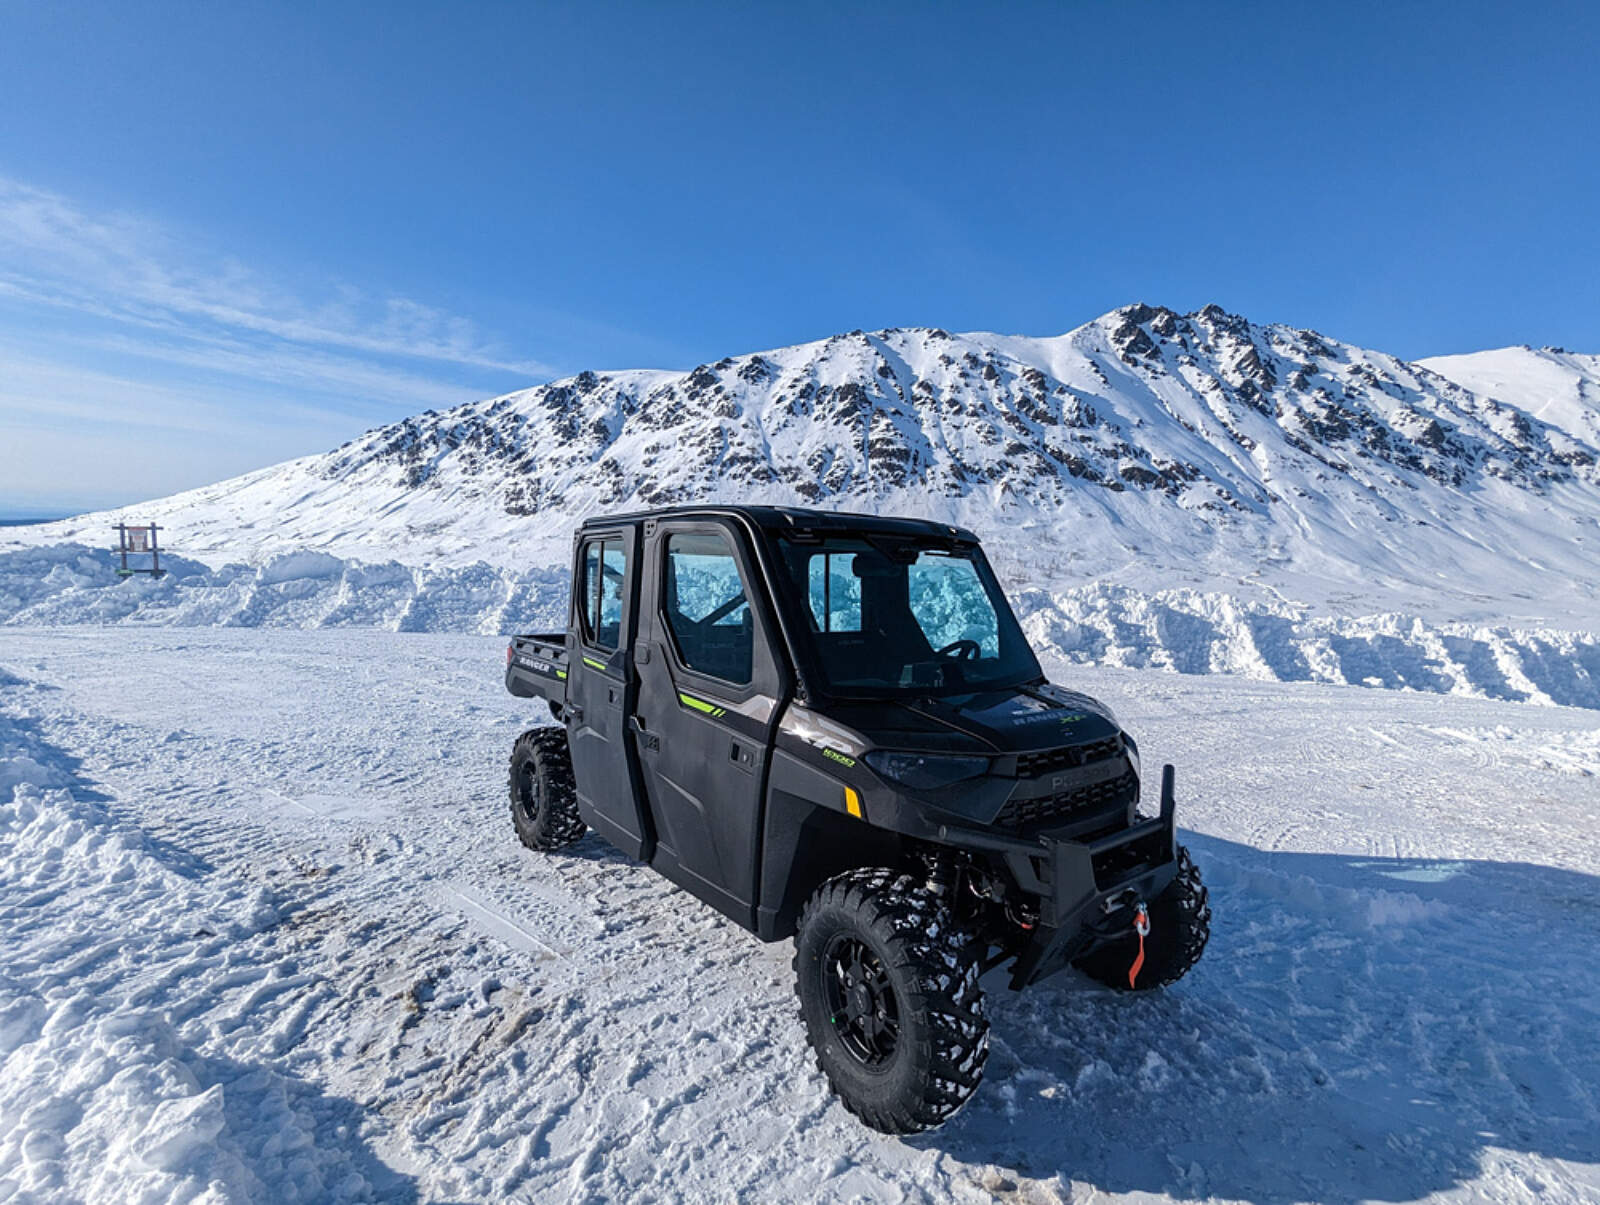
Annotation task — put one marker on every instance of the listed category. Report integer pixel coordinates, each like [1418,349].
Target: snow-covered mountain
[1146,448]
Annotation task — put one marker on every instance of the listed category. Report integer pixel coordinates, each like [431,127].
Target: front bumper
[1087,889]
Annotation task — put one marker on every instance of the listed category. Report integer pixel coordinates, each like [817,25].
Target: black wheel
[888,986]
[544,803]
[1180,926]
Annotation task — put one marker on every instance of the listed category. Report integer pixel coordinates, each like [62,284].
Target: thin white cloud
[135,363]
[38,393]
[125,269]
[280,376]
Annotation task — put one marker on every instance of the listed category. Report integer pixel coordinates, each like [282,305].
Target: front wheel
[888,986]
[1180,926]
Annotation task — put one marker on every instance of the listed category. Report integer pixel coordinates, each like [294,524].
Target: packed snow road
[265,934]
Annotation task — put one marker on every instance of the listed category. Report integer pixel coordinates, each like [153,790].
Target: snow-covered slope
[1554,385]
[1146,448]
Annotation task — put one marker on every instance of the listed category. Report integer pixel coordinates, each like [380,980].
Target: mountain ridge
[1148,447]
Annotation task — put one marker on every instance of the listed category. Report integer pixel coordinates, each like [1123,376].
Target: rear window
[605,569]
[835,593]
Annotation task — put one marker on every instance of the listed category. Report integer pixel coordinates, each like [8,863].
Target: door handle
[648,741]
[576,712]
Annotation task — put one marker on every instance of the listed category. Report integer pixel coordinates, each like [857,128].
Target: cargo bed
[536,666]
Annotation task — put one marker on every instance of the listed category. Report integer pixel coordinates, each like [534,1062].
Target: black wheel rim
[528,790]
[861,1001]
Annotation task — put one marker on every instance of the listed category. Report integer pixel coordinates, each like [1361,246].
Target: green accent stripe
[593,664]
[700,705]
[561,673]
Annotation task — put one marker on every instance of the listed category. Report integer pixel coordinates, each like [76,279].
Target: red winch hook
[1141,926]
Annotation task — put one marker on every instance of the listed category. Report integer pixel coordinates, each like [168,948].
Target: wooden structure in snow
[138,541]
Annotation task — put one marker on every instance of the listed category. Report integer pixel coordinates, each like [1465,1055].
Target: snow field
[331,969]
[125,983]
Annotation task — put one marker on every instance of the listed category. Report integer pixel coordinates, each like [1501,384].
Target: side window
[605,568]
[707,608]
[835,593]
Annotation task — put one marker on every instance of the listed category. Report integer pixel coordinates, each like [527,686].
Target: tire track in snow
[497,923]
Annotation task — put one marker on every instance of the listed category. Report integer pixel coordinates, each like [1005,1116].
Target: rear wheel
[544,801]
[1180,926]
[888,986]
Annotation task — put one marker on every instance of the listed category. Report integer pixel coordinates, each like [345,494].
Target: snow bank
[76,584]
[1202,633]
[1189,631]
[104,1094]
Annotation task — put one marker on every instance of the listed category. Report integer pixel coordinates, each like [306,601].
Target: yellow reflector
[852,802]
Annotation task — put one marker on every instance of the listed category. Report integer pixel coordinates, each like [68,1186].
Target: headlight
[925,771]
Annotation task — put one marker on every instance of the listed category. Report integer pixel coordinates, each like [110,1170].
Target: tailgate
[536,666]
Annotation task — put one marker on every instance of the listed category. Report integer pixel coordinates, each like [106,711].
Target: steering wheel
[962,650]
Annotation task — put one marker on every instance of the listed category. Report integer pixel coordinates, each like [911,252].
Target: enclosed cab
[831,727]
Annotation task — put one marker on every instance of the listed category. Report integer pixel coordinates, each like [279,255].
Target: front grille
[1019,813]
[1047,761]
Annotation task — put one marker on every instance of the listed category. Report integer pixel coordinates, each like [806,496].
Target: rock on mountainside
[1148,447]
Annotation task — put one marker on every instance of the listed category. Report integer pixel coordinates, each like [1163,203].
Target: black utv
[831,727]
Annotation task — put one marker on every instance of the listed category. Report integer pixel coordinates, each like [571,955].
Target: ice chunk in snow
[294,566]
[23,770]
[262,912]
[179,1129]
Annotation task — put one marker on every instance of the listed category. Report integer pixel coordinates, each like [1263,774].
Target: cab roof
[794,520]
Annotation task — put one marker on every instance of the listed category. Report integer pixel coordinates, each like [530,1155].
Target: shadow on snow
[1359,1029]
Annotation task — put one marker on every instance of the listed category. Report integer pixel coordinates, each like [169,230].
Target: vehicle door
[599,687]
[709,682]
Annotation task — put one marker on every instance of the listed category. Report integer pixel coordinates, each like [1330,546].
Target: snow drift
[75,584]
[1188,631]
[105,1094]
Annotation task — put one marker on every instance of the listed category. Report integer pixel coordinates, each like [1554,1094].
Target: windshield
[899,617]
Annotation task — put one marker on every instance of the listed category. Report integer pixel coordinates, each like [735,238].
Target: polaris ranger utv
[831,727]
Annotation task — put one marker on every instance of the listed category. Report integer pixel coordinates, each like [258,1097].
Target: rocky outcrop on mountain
[861,417]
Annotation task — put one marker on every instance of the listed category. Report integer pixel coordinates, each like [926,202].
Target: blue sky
[235,233]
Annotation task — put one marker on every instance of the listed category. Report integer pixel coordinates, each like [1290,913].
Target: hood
[1014,720]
